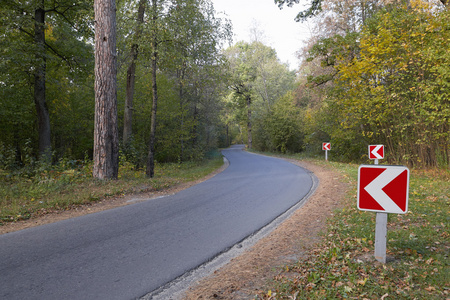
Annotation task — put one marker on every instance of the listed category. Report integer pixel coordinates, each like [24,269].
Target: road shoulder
[246,275]
[103,204]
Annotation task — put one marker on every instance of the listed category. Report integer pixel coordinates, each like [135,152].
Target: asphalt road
[127,252]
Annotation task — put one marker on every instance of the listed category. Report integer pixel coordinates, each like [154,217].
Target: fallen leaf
[384,296]
[294,297]
[362,282]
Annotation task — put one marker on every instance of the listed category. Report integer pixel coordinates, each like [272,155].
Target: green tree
[179,47]
[257,81]
[397,90]
[365,82]
[131,74]
[156,35]
[243,76]
[194,61]
[284,125]
[37,36]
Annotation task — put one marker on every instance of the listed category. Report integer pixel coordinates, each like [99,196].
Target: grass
[23,197]
[342,265]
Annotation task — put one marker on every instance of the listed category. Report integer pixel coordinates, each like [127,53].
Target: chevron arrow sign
[376,151]
[383,188]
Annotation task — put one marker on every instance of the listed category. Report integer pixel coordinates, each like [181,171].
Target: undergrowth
[24,194]
[342,266]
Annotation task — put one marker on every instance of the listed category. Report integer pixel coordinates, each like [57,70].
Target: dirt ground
[246,275]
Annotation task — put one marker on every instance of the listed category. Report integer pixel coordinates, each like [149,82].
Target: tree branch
[316,7]
[51,48]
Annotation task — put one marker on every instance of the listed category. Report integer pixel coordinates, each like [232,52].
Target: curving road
[127,252]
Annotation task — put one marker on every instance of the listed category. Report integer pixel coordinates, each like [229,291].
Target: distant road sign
[326,146]
[383,188]
[376,151]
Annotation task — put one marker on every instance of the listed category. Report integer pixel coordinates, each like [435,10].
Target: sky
[281,32]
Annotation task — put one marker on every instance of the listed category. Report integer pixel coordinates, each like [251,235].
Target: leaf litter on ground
[342,266]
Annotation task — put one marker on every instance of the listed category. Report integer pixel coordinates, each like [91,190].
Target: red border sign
[376,151]
[383,188]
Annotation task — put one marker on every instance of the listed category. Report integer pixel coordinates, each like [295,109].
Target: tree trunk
[150,171]
[151,152]
[194,127]
[180,75]
[249,121]
[128,111]
[106,139]
[45,146]
[228,138]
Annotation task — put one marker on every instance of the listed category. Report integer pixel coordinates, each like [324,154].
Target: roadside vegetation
[43,189]
[342,265]
[374,72]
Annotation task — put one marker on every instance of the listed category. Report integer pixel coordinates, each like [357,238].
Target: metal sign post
[380,228]
[382,189]
[326,147]
[376,152]
[381,237]
[380,225]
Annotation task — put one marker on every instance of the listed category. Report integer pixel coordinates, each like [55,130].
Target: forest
[373,72]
